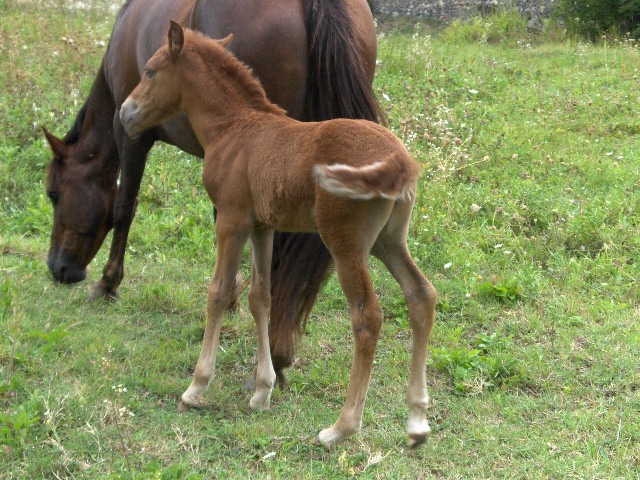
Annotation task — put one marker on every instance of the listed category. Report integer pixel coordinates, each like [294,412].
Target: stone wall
[447,10]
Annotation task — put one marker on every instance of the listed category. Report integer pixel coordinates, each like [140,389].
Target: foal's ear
[57,146]
[176,39]
[226,41]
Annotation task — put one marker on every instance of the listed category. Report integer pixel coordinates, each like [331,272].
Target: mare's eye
[53,196]
[149,73]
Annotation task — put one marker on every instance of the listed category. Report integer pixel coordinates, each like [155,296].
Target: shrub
[593,18]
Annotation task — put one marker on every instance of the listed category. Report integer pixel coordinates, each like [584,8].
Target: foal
[350,180]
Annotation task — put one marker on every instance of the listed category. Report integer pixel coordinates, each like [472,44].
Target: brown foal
[351,180]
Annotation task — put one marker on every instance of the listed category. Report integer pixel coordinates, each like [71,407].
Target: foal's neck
[220,92]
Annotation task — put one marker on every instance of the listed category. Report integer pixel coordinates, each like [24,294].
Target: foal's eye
[149,73]
[53,196]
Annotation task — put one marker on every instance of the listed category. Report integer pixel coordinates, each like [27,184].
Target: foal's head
[159,93]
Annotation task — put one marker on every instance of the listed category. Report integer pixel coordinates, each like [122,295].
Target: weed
[503,25]
[505,290]
[15,427]
[484,363]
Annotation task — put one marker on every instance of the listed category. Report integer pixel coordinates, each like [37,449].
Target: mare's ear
[226,41]
[176,39]
[57,146]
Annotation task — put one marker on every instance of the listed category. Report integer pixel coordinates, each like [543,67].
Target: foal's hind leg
[230,241]
[366,321]
[349,230]
[420,297]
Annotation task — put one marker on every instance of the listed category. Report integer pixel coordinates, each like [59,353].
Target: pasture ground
[528,224]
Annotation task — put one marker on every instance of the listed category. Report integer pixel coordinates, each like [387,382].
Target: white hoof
[330,437]
[261,400]
[190,399]
[418,434]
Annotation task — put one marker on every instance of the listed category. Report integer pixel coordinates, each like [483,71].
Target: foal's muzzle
[128,113]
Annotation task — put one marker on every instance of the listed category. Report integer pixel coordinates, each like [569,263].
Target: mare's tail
[393,177]
[339,86]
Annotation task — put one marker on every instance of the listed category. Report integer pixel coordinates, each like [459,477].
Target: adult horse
[315,58]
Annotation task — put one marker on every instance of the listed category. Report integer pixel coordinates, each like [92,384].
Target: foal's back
[281,158]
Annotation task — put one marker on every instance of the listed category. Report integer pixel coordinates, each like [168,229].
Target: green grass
[527,223]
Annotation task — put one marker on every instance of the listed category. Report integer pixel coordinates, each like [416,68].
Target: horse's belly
[301,224]
[299,217]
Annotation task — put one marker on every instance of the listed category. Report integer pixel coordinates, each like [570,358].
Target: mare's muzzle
[65,270]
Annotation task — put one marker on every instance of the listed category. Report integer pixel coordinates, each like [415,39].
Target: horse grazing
[351,180]
[315,58]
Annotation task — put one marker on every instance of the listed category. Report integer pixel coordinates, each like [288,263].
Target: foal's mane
[228,64]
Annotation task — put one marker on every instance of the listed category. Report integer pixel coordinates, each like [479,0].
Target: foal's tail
[393,178]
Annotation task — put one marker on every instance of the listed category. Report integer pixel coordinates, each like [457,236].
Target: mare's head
[82,193]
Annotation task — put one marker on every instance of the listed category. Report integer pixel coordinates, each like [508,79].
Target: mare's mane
[241,74]
[73,134]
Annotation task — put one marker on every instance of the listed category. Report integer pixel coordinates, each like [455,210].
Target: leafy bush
[593,18]
[501,26]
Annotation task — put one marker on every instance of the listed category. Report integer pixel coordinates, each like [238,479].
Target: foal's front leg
[231,240]
[260,305]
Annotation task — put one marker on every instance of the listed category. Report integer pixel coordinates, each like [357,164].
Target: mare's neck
[93,139]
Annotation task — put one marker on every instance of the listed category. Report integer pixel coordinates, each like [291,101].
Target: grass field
[528,224]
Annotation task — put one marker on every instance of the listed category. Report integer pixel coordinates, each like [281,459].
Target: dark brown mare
[315,58]
[351,180]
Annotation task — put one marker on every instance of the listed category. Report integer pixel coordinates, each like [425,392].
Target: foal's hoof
[188,402]
[418,434]
[184,406]
[416,440]
[330,437]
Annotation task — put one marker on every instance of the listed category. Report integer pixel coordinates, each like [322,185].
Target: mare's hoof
[100,291]
[281,380]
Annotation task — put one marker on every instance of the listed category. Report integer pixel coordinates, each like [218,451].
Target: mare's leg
[133,158]
[349,229]
[230,241]
[260,305]
[420,297]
